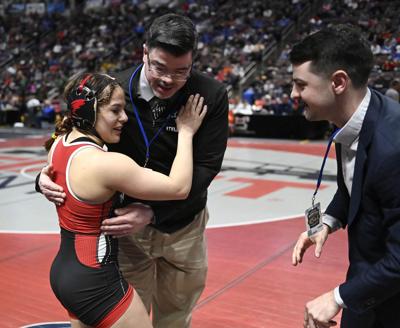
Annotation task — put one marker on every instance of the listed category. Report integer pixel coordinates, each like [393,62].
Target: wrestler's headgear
[82,105]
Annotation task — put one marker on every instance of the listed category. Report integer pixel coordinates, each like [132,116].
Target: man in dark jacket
[330,75]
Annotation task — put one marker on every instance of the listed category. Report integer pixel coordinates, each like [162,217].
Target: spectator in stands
[33,113]
[249,95]
[393,90]
[284,106]
[48,112]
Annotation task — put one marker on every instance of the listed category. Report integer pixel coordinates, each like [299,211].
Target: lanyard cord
[323,164]
[143,132]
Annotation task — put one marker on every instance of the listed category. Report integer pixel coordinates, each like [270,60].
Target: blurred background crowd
[243,44]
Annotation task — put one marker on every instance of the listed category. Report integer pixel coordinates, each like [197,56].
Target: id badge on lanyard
[313,214]
[314,222]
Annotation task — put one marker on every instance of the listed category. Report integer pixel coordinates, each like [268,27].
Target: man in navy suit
[330,75]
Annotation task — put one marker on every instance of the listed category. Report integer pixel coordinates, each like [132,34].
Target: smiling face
[111,117]
[165,72]
[315,91]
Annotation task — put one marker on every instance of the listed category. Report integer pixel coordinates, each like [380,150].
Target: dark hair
[395,83]
[173,33]
[103,87]
[340,47]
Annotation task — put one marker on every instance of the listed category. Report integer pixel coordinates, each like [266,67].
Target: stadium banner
[56,7]
[16,8]
[94,4]
[112,3]
[35,8]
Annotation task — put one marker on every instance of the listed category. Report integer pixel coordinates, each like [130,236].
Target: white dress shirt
[146,92]
[348,137]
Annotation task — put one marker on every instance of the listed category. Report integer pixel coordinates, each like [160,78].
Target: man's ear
[340,81]
[145,53]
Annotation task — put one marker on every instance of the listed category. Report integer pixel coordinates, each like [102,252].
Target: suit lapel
[340,178]
[366,134]
[358,179]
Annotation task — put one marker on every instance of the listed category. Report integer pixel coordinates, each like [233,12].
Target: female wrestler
[84,275]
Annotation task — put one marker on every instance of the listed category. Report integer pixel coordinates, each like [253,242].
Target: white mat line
[236,224]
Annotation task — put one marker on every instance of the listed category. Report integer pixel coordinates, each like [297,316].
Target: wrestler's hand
[191,115]
[304,242]
[128,220]
[53,192]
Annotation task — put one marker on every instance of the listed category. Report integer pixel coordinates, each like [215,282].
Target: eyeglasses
[159,71]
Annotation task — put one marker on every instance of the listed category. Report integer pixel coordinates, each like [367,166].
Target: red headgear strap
[82,84]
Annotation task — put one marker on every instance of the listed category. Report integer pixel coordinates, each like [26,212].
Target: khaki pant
[167,270]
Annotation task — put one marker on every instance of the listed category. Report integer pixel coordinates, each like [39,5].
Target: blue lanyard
[323,164]
[146,140]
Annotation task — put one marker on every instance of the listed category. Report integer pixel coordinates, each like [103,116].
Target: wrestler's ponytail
[62,127]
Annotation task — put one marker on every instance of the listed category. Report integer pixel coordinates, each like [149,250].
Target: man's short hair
[173,33]
[340,47]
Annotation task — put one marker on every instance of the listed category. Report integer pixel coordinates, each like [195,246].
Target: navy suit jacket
[372,217]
